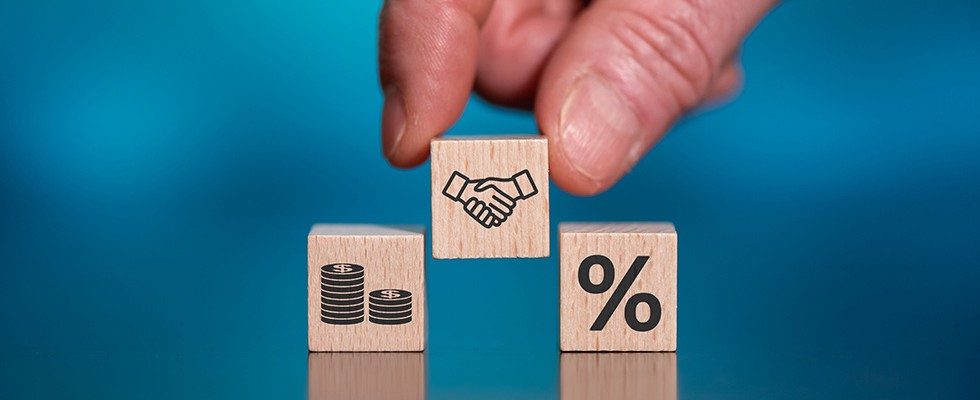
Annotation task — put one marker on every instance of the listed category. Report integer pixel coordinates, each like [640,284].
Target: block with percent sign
[366,288]
[618,287]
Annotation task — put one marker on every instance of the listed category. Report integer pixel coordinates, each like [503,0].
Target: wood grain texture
[392,257]
[627,376]
[621,243]
[366,376]
[455,233]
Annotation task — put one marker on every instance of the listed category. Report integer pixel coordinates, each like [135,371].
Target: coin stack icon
[390,306]
[342,294]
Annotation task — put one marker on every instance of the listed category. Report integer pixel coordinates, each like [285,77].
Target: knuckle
[667,46]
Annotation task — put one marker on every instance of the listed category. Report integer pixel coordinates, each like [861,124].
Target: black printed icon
[490,201]
[342,298]
[608,275]
[390,307]
[342,294]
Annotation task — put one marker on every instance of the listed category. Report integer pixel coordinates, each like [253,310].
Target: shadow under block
[366,288]
[366,376]
[490,197]
[600,308]
[626,376]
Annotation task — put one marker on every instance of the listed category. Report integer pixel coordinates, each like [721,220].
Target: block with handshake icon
[490,197]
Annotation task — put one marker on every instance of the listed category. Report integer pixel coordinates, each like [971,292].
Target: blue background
[162,161]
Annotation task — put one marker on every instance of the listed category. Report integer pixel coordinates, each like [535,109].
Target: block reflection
[618,376]
[366,376]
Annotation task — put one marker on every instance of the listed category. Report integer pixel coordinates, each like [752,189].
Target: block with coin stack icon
[490,197]
[366,288]
[618,287]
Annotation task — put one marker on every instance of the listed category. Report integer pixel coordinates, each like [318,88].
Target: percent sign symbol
[608,275]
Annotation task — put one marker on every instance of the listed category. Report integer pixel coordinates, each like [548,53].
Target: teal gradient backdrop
[162,161]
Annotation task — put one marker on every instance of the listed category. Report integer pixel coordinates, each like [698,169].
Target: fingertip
[405,162]
[567,177]
[393,123]
[403,144]
[408,153]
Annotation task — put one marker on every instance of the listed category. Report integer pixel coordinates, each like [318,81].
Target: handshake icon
[490,201]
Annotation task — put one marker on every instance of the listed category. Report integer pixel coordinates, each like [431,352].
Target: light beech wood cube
[627,376]
[618,284]
[366,376]
[490,197]
[366,288]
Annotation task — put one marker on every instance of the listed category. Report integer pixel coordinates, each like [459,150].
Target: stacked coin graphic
[342,294]
[390,306]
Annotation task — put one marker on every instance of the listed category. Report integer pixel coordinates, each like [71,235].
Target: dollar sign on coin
[390,306]
[342,268]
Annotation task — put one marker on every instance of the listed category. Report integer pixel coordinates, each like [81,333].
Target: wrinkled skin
[605,80]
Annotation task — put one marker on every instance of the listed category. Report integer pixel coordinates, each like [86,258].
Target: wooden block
[366,288]
[490,197]
[618,287]
[625,376]
[366,376]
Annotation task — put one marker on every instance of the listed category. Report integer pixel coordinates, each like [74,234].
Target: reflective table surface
[513,375]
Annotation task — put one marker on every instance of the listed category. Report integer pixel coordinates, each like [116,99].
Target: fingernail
[597,130]
[392,120]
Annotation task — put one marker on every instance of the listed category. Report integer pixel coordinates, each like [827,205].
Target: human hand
[606,80]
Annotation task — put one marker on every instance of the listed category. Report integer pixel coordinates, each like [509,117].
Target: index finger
[427,56]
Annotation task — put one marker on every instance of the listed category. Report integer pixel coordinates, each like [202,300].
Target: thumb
[625,72]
